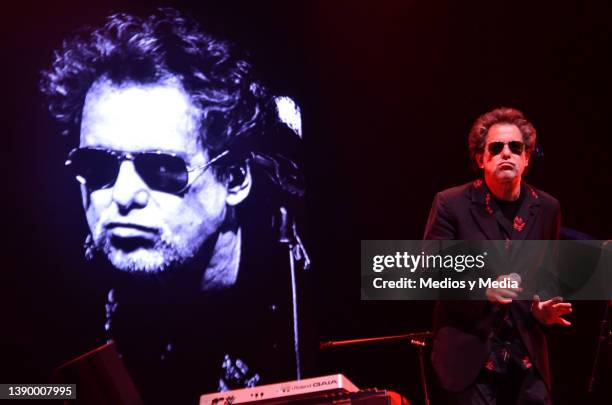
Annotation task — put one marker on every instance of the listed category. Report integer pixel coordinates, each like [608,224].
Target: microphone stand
[605,333]
[418,340]
[288,236]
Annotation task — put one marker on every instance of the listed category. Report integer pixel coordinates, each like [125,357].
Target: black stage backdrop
[388,91]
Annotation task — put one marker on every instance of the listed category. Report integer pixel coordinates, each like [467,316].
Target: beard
[141,255]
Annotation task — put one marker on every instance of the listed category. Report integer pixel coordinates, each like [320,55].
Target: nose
[129,191]
[506,152]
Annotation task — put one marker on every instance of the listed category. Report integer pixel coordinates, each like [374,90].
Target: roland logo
[324,383]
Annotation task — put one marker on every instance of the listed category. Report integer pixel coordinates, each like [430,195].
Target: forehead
[136,117]
[504,132]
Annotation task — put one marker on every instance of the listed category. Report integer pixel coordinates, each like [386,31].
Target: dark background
[388,91]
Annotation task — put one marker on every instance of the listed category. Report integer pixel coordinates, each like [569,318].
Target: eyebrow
[181,154]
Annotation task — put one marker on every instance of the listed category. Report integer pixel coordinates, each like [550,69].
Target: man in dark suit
[494,350]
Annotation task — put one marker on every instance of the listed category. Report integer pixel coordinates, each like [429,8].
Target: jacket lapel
[483,210]
[527,214]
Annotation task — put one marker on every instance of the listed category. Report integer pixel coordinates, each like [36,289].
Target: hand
[550,312]
[503,295]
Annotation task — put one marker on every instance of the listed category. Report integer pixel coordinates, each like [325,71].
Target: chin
[137,262]
[506,175]
[160,256]
[157,259]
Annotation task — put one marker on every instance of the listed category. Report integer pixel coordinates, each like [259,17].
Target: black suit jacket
[463,329]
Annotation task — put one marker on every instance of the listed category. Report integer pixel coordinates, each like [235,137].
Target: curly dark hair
[147,50]
[503,115]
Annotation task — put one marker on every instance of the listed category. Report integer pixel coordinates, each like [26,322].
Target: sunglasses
[99,168]
[516,147]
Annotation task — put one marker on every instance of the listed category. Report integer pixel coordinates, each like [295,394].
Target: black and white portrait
[186,168]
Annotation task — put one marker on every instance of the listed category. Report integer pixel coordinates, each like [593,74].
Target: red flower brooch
[519,223]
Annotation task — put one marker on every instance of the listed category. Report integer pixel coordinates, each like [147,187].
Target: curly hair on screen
[148,50]
[503,115]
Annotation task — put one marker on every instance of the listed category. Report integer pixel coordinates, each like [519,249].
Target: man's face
[506,165]
[139,228]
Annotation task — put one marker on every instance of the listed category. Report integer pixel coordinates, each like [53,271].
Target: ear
[479,160]
[238,184]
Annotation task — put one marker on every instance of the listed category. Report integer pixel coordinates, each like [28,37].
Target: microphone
[284,227]
[516,277]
